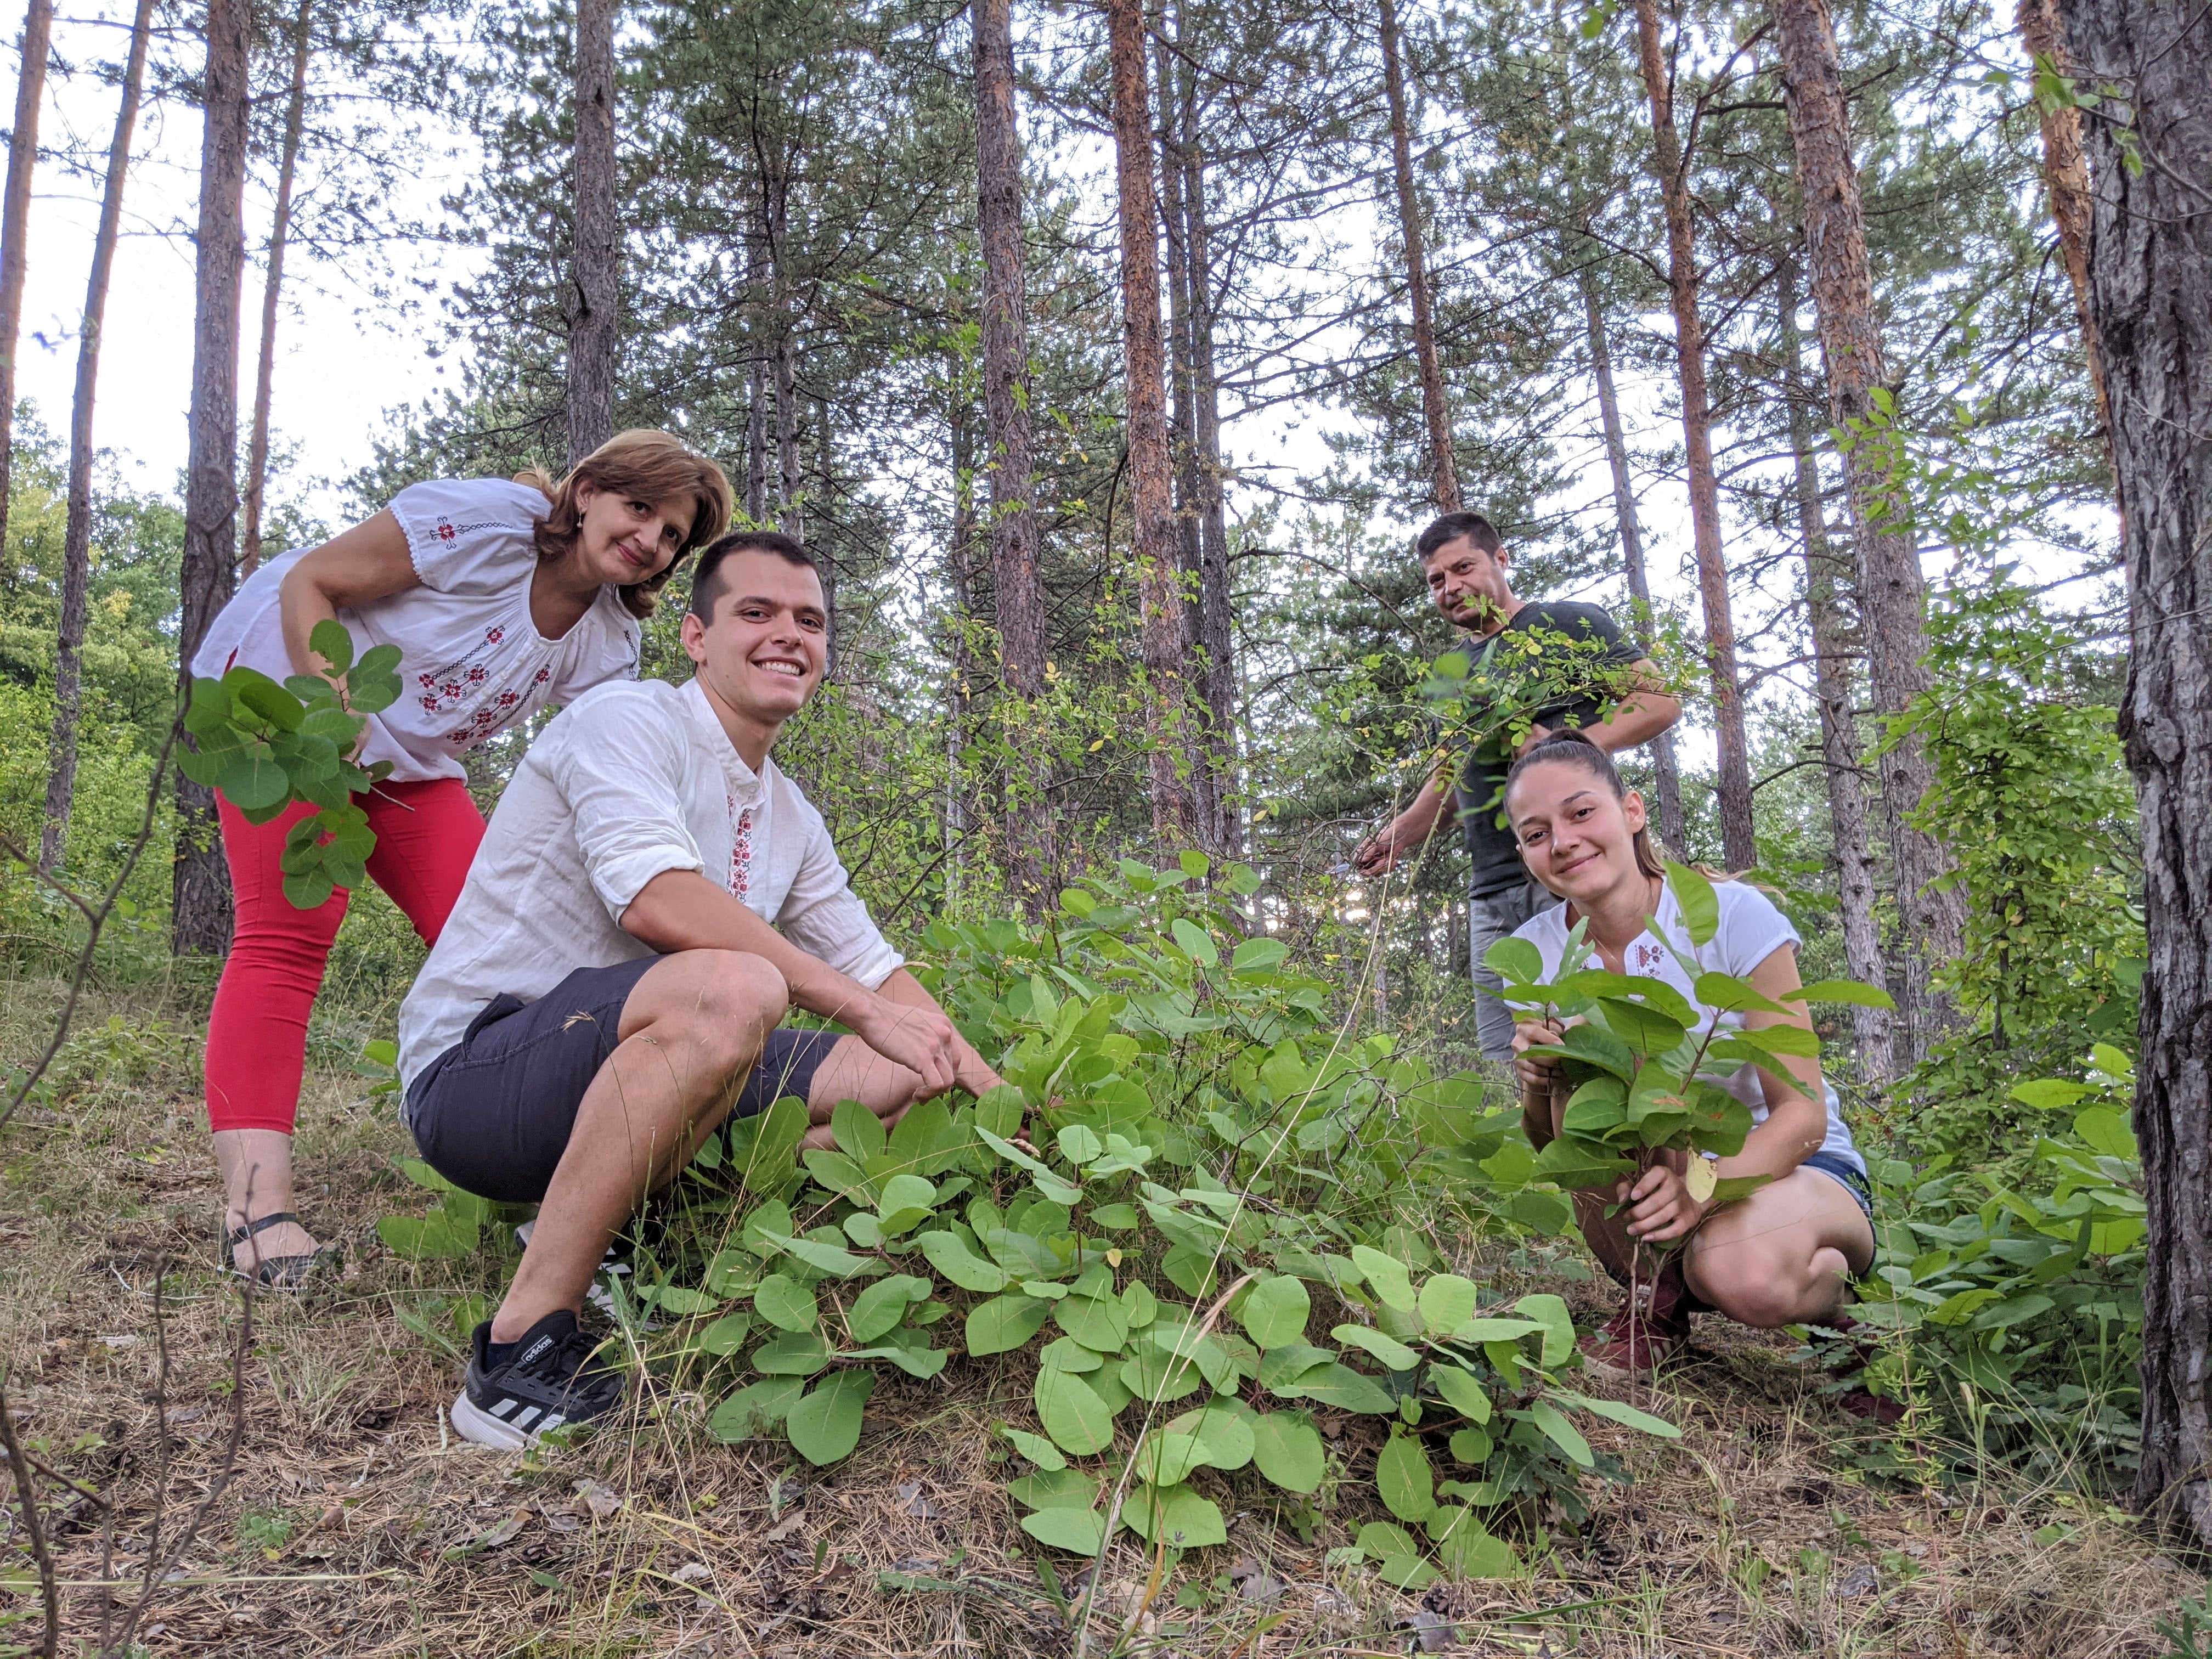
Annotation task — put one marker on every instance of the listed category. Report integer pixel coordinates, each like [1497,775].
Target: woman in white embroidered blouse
[503,597]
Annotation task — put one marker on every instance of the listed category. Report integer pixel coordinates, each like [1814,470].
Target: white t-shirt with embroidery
[1751,930]
[472,661]
[629,781]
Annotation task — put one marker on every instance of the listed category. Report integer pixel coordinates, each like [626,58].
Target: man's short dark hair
[1451,527]
[707,583]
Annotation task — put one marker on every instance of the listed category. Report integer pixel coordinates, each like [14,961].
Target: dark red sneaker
[1638,1340]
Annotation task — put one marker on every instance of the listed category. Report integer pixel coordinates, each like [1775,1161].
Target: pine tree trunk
[1216,635]
[1892,593]
[199,916]
[1018,587]
[959,565]
[16,224]
[1443,461]
[593,296]
[2150,291]
[257,464]
[1738,842]
[1666,778]
[1159,591]
[1853,857]
[77,538]
[2066,176]
[1175,135]
[1017,582]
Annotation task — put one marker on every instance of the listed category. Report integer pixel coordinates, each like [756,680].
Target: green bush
[2021,1304]
[1197,1212]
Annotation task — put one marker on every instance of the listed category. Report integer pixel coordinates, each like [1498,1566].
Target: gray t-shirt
[1554,665]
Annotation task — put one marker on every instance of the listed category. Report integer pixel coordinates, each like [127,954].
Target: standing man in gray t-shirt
[1537,666]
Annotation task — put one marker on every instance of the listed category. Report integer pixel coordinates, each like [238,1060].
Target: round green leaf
[1077,1531]
[726,1335]
[1167,1459]
[1468,1548]
[1005,1323]
[1386,1276]
[1406,1479]
[949,1254]
[1176,1516]
[1096,1322]
[1072,1414]
[1447,1302]
[754,1408]
[792,1354]
[1287,1450]
[1224,1431]
[907,1201]
[1153,1374]
[1472,1446]
[786,1303]
[881,1306]
[825,1425]
[1275,1310]
[1034,1447]
[1079,1145]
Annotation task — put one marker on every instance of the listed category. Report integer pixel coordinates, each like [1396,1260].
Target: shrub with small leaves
[1645,1081]
[269,747]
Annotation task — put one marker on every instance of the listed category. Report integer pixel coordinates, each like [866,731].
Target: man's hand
[921,1039]
[1378,853]
[1662,1207]
[1537,735]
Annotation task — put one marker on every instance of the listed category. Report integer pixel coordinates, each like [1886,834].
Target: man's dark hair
[707,583]
[1451,527]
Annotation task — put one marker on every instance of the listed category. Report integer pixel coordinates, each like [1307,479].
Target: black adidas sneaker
[547,1378]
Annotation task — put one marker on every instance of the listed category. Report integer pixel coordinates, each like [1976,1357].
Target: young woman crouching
[1780,1256]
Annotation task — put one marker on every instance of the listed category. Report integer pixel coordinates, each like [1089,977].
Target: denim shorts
[1846,1174]
[493,1114]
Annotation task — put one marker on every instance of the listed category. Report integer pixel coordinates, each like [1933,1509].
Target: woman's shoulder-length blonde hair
[651,466]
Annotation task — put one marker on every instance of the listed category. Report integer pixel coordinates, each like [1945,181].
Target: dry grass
[355,1525]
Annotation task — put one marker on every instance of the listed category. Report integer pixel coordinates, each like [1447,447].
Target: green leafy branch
[1645,1084]
[269,747]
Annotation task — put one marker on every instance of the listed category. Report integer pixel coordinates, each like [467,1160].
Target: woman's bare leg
[1781,1256]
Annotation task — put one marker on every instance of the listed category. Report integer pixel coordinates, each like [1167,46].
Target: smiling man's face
[763,652]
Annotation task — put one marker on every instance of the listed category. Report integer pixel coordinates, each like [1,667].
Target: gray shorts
[1492,917]
[493,1114]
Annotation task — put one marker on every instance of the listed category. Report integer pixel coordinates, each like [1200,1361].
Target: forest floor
[353,1523]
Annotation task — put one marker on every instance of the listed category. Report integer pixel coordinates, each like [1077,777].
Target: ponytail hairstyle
[646,465]
[1571,748]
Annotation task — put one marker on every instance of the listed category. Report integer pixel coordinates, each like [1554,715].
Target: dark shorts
[493,1114]
[1846,1174]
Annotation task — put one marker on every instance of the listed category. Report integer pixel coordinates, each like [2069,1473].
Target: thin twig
[49,1592]
[95,913]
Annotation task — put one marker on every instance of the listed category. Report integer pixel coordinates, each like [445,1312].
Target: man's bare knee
[724,1003]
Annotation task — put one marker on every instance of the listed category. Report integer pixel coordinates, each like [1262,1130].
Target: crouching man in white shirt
[652,897]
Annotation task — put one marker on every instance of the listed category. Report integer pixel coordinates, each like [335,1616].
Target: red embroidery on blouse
[741,848]
[446,531]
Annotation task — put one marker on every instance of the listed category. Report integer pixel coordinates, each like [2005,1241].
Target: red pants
[256,1046]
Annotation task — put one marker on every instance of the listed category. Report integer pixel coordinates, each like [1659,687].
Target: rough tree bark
[1018,586]
[1840,760]
[77,539]
[200,918]
[257,463]
[2066,176]
[2150,290]
[1738,842]
[1017,581]
[1182,182]
[1666,774]
[16,224]
[593,296]
[1159,591]
[1892,593]
[1443,462]
[1216,636]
